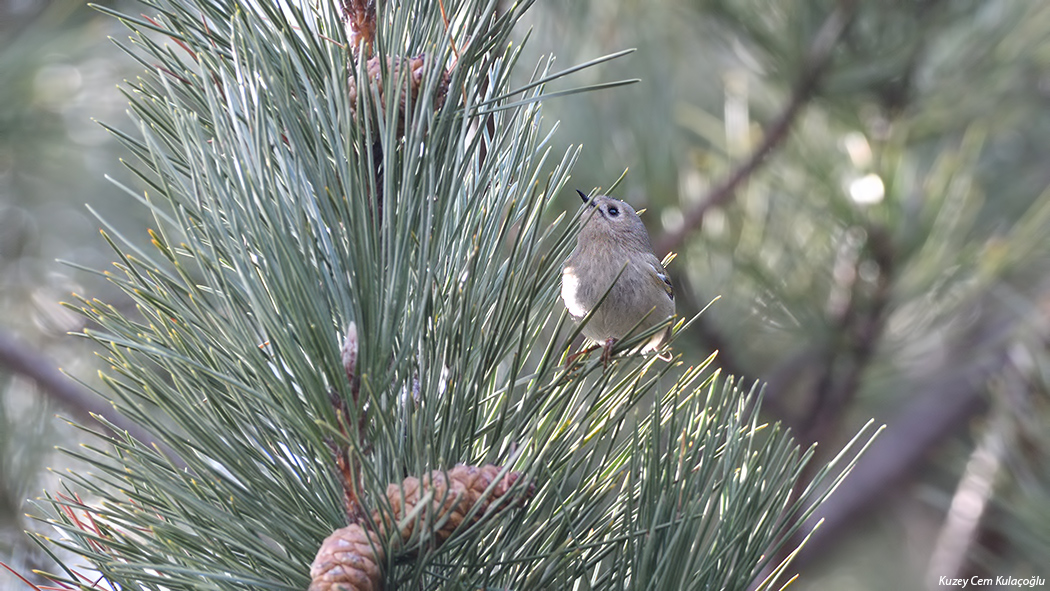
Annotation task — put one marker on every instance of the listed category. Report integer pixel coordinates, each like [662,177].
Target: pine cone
[349,559]
[417,68]
[452,499]
[360,16]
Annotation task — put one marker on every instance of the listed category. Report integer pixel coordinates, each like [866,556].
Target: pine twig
[820,51]
[345,459]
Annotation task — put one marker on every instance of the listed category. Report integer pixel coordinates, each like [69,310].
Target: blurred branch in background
[16,16]
[940,409]
[818,58]
[859,327]
[21,359]
[57,70]
[962,524]
[999,508]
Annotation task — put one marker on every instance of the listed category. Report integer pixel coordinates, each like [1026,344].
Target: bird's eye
[614,211]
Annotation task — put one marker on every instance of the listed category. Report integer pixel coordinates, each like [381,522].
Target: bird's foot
[607,352]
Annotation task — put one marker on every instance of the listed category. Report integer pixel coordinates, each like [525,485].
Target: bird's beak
[583,196]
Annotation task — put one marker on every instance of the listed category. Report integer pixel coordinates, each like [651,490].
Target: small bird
[613,249]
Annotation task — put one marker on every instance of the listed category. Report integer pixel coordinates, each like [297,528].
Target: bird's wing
[661,275]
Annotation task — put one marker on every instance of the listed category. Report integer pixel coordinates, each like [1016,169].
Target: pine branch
[860,325]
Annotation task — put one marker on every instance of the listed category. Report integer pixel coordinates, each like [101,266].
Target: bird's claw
[607,352]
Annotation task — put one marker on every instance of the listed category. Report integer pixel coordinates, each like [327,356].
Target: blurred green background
[884,253]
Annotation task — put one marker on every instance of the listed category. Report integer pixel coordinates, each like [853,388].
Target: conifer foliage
[348,327]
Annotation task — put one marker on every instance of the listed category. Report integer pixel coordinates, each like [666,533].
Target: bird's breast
[572,293]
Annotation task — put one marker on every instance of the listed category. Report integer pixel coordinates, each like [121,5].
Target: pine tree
[348,327]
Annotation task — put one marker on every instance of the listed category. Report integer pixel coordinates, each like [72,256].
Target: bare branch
[962,526]
[22,359]
[816,64]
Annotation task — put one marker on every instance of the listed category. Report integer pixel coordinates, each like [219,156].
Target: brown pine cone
[349,559]
[417,68]
[452,498]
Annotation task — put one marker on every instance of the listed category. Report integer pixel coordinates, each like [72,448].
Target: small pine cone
[417,68]
[453,495]
[348,561]
[360,18]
